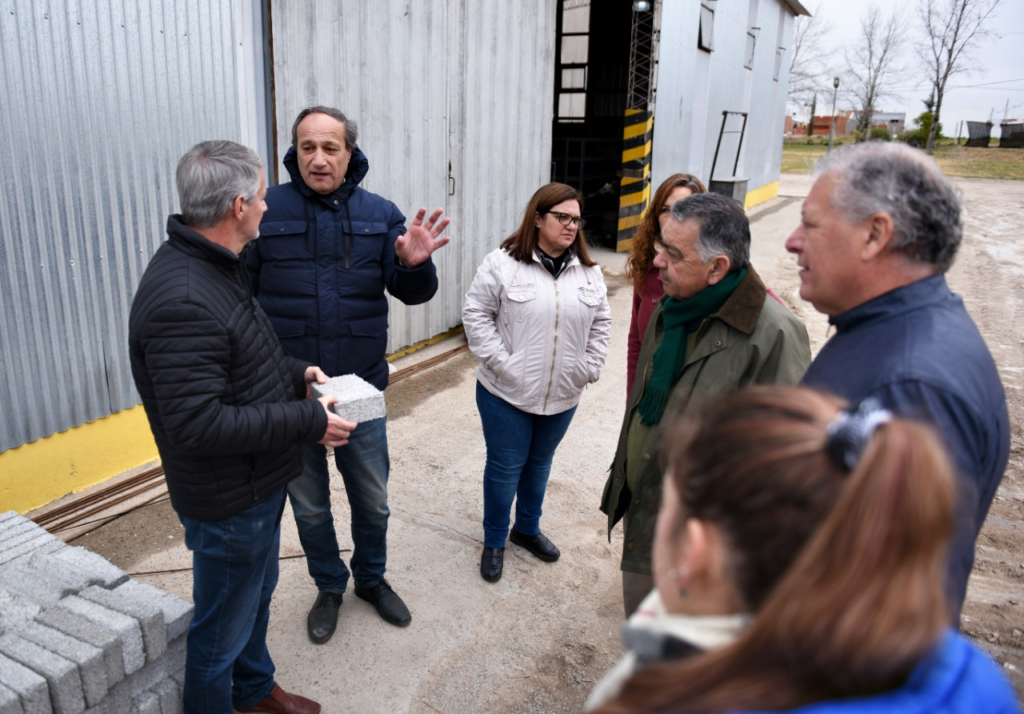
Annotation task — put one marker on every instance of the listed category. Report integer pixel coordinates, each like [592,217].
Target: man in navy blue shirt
[878,231]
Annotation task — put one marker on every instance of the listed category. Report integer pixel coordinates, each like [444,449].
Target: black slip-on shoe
[491,562]
[538,544]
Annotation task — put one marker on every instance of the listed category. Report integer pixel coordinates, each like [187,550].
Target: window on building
[707,25]
[779,54]
[751,42]
[573,49]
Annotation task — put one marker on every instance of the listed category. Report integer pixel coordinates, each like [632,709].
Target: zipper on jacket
[554,348]
[348,235]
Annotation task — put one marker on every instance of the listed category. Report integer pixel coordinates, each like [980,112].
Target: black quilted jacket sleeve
[204,409]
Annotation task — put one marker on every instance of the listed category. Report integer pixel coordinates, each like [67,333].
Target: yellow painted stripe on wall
[630,221]
[639,152]
[762,194]
[632,199]
[638,129]
[623,245]
[425,343]
[35,474]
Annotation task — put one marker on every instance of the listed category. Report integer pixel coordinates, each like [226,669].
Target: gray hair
[211,175]
[882,177]
[724,228]
[351,130]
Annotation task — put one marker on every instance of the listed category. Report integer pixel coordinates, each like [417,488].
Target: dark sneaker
[323,618]
[538,544]
[388,604]
[491,563]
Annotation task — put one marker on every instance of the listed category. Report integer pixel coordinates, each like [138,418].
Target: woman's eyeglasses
[566,218]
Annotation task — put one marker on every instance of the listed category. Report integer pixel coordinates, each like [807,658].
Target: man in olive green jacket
[715,330]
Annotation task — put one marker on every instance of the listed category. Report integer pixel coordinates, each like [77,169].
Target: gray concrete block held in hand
[358,400]
[65,683]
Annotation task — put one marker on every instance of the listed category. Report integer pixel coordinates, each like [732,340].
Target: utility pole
[832,124]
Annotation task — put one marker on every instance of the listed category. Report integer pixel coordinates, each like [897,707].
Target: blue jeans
[520,448]
[364,465]
[234,570]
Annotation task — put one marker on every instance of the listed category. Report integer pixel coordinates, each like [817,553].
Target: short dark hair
[351,130]
[893,178]
[724,228]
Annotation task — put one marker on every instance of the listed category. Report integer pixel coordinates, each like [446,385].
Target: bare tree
[953,28]
[872,64]
[809,66]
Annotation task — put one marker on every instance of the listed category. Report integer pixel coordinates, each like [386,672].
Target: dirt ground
[538,640]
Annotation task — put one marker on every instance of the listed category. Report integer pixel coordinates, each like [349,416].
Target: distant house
[894,122]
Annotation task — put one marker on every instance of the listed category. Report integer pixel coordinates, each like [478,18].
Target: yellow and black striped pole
[635,190]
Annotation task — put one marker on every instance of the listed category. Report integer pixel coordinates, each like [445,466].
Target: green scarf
[680,318]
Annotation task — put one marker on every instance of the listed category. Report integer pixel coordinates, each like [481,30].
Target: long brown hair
[641,251]
[843,570]
[521,244]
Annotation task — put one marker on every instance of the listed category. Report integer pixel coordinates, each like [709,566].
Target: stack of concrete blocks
[358,400]
[78,635]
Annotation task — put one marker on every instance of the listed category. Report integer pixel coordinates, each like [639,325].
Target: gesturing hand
[421,240]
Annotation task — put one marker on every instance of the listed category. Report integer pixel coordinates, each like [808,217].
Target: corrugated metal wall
[695,86]
[98,99]
[430,84]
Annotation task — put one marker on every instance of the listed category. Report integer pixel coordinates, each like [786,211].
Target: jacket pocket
[368,228]
[370,327]
[284,240]
[589,296]
[521,297]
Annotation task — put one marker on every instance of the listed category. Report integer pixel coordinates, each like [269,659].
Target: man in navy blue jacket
[878,231]
[328,251]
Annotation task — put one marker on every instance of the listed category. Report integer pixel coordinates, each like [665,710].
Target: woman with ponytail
[828,530]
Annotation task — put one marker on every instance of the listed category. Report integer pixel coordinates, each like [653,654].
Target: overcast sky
[999,61]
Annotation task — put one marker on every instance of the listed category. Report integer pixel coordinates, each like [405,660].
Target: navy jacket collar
[358,167]
[928,291]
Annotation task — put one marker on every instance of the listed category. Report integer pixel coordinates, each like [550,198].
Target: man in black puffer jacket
[229,412]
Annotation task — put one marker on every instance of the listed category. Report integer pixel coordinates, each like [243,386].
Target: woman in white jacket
[537,318]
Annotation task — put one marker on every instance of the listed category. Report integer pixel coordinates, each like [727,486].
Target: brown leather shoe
[281,702]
